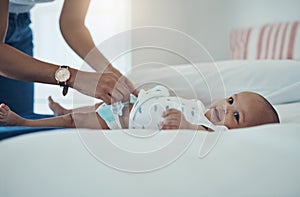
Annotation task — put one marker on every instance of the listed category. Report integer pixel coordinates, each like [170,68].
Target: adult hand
[107,86]
[174,119]
[122,80]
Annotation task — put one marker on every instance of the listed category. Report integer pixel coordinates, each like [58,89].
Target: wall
[208,21]
[104,19]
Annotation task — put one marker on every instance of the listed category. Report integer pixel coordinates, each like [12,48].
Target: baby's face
[244,109]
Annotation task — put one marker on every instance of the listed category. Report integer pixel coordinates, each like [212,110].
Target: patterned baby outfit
[147,110]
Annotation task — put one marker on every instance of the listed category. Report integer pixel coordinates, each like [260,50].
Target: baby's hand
[174,119]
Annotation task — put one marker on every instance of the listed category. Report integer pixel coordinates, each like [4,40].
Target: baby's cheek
[230,123]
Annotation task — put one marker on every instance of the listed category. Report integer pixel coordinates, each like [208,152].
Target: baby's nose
[225,108]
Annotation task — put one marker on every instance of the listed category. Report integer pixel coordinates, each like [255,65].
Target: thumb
[135,92]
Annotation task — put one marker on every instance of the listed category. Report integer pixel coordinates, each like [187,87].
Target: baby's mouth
[215,115]
[218,114]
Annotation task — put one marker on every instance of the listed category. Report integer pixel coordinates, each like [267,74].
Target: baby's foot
[8,117]
[56,107]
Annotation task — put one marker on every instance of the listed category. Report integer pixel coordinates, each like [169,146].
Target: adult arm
[3,19]
[78,37]
[17,65]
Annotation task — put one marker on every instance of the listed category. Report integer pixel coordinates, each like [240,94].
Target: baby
[156,109]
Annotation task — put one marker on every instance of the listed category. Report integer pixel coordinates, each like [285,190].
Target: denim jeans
[18,95]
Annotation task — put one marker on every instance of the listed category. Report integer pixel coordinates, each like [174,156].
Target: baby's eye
[236,116]
[230,100]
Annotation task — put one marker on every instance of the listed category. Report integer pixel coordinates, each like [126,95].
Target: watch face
[62,74]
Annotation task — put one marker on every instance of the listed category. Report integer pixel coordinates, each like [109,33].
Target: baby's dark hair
[274,113]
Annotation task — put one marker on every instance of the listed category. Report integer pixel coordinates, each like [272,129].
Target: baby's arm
[174,119]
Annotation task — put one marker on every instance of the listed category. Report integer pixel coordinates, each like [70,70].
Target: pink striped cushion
[271,41]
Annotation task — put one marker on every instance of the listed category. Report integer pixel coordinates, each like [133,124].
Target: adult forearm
[3,19]
[77,35]
[17,65]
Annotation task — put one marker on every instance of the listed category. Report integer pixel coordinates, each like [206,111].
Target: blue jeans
[18,95]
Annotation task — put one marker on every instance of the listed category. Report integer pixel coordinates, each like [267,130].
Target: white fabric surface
[289,113]
[28,2]
[261,161]
[277,80]
[22,6]
[257,161]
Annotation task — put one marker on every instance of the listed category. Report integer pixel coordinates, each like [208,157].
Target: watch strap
[64,84]
[65,90]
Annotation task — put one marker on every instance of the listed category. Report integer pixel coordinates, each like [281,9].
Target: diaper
[110,113]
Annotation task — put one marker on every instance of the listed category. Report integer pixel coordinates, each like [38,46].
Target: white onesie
[147,110]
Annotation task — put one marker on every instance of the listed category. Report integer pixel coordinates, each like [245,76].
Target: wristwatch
[62,75]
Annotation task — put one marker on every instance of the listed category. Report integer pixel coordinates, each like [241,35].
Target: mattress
[261,161]
[256,161]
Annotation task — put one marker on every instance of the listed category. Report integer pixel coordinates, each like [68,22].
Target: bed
[256,161]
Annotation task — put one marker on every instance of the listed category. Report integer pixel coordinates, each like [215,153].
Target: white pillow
[277,80]
[288,113]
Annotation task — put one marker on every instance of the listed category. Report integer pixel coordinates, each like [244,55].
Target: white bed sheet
[257,161]
[289,113]
[261,161]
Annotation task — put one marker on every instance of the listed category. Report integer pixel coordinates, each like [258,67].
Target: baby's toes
[5,107]
[3,113]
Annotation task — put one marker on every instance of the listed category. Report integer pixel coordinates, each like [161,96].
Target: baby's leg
[9,118]
[59,110]
[90,120]
[124,119]
[80,120]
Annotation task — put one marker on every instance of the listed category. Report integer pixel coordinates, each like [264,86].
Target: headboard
[269,41]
